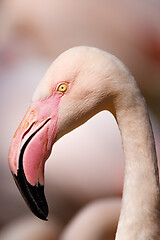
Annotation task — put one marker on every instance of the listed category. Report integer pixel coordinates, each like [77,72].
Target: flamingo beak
[30,148]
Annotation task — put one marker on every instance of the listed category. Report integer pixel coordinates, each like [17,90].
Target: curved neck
[139,218]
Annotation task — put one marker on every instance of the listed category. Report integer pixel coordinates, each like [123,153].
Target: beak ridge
[33,195]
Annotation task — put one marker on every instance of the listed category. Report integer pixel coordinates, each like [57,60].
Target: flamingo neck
[140,212]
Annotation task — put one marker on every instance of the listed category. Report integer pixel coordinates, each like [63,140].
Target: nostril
[28,130]
[27,142]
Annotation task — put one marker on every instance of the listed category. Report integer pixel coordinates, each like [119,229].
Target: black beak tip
[33,195]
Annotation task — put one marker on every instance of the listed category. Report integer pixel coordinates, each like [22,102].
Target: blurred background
[86,165]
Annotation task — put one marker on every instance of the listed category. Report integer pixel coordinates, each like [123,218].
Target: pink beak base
[30,148]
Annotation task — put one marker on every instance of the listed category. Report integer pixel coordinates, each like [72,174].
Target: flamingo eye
[62,87]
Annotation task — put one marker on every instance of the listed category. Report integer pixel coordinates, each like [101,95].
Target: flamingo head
[73,90]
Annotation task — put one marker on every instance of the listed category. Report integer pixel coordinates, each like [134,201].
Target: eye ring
[62,87]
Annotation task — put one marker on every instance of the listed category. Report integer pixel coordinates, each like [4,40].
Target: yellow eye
[62,87]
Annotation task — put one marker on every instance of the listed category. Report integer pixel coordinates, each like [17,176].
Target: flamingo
[96,220]
[80,83]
